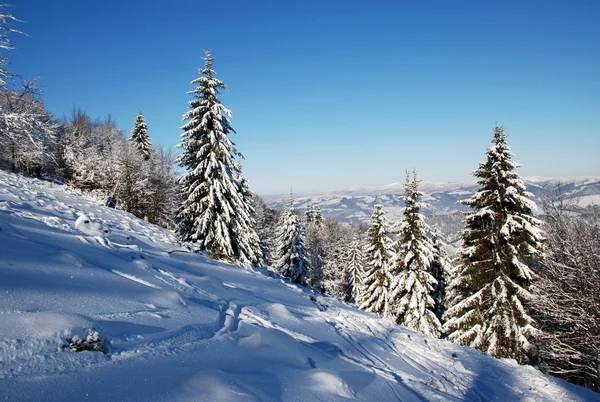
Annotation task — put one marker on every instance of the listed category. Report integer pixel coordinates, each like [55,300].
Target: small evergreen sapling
[292,257]
[378,254]
[410,291]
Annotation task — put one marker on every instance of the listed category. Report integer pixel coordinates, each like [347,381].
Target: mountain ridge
[355,204]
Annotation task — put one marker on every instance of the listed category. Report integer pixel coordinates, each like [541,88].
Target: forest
[523,284]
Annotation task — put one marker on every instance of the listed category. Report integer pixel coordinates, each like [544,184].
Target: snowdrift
[177,326]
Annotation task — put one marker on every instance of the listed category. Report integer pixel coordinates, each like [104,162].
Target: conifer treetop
[140,138]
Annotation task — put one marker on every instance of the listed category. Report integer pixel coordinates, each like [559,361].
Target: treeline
[518,287]
[92,155]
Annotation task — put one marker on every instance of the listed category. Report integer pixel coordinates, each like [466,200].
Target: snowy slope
[356,204]
[181,327]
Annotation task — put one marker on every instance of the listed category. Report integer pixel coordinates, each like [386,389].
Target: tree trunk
[13,166]
[597,387]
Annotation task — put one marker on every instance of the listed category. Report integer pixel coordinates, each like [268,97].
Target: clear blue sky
[327,94]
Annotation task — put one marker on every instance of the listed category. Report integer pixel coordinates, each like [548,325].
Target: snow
[179,326]
[355,204]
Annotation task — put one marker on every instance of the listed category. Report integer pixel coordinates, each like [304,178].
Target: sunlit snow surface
[183,328]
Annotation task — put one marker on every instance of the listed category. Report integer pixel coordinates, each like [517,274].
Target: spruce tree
[292,257]
[251,253]
[309,215]
[355,270]
[318,217]
[215,212]
[139,137]
[441,269]
[378,254]
[500,239]
[410,292]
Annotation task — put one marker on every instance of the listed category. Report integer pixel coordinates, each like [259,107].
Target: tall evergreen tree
[378,254]
[441,269]
[140,138]
[292,257]
[500,239]
[411,288]
[215,213]
[355,270]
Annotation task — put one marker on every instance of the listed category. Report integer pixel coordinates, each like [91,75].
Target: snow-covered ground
[179,326]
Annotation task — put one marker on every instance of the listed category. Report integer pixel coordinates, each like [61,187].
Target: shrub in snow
[92,342]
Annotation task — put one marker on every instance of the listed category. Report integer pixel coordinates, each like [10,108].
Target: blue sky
[328,94]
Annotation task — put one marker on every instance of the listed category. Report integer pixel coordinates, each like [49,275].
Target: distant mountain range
[355,204]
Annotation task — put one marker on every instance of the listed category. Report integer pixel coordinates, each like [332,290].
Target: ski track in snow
[182,327]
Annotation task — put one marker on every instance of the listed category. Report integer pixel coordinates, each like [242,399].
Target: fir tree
[412,305]
[251,248]
[139,137]
[214,213]
[499,240]
[441,269]
[355,270]
[292,257]
[318,217]
[309,215]
[315,243]
[378,254]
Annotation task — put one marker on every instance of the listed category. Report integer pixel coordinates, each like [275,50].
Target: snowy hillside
[178,326]
[356,204]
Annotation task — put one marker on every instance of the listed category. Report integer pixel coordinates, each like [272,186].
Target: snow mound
[277,346]
[89,227]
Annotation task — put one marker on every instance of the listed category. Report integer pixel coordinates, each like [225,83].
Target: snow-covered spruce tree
[214,214]
[378,254]
[309,215]
[441,269]
[500,239]
[410,291]
[140,138]
[355,270]
[292,257]
[251,246]
[318,217]
[316,243]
